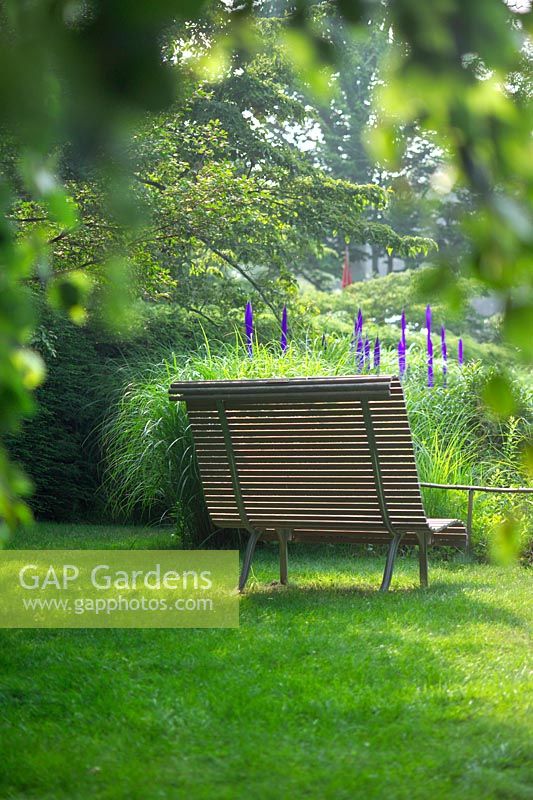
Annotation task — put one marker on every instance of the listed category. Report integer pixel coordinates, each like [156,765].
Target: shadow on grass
[442,604]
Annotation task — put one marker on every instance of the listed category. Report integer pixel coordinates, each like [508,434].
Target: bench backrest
[305,453]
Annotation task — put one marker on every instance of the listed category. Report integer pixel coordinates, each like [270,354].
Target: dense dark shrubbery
[56,445]
[87,368]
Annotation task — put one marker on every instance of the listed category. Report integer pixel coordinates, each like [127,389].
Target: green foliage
[212,196]
[207,189]
[455,73]
[382,300]
[150,463]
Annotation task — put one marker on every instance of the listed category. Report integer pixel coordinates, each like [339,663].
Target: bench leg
[389,566]
[283,536]
[423,559]
[248,555]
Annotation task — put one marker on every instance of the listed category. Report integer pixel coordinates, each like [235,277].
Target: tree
[347,121]
[220,187]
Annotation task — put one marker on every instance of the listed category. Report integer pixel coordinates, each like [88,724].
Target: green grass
[327,690]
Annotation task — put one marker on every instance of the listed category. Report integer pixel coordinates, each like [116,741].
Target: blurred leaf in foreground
[498,395]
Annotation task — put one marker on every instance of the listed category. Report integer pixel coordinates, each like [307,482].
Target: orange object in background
[346,274]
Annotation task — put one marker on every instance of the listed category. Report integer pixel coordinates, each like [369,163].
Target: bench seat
[312,459]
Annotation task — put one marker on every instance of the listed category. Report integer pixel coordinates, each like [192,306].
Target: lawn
[327,690]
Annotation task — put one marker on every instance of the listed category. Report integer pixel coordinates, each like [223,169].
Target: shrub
[59,447]
[382,300]
[55,445]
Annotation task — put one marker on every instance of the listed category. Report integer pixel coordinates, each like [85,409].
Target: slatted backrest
[305,453]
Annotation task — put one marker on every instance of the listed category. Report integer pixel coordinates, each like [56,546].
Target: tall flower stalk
[460,355]
[401,358]
[377,354]
[367,353]
[359,355]
[359,325]
[284,330]
[402,348]
[431,380]
[429,347]
[249,328]
[357,329]
[444,352]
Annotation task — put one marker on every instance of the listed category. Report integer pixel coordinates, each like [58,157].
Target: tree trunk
[357,265]
[375,261]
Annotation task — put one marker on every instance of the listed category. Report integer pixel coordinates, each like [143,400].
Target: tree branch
[59,236]
[202,314]
[148,182]
[235,265]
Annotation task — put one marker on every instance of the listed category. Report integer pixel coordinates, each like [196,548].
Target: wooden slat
[332,495]
[293,492]
[305,470]
[382,383]
[303,445]
[301,522]
[306,460]
[199,393]
[331,514]
[375,538]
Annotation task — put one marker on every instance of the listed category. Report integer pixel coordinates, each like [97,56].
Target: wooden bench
[312,460]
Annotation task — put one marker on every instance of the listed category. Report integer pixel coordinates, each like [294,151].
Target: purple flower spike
[359,324]
[430,363]
[403,328]
[444,351]
[377,354]
[429,346]
[367,354]
[359,355]
[284,330]
[357,330]
[401,358]
[460,357]
[249,328]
